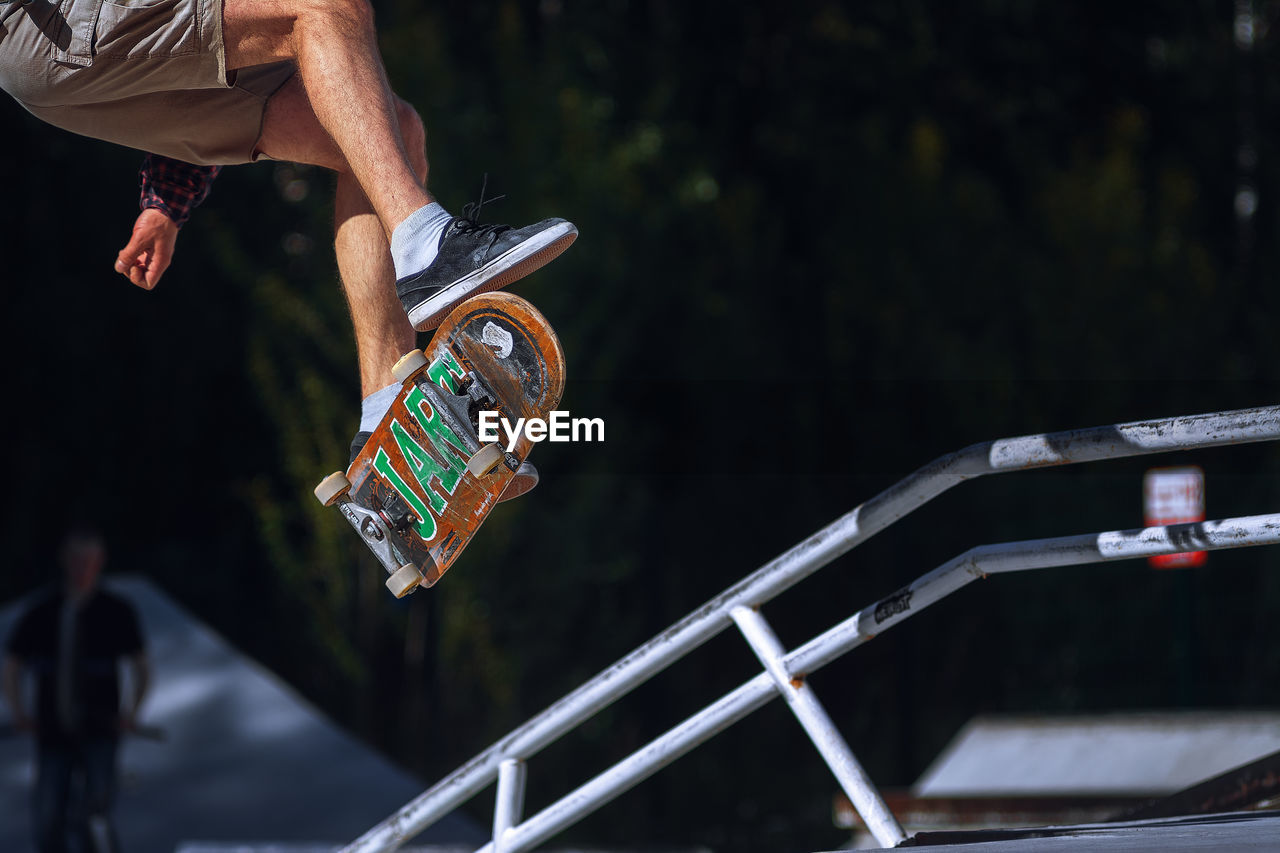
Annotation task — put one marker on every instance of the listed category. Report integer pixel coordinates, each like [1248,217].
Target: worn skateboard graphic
[424,482]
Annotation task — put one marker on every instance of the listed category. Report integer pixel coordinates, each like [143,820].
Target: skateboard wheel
[409,364]
[332,487]
[404,580]
[485,460]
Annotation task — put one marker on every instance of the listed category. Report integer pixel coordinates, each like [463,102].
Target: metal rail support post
[508,805]
[817,723]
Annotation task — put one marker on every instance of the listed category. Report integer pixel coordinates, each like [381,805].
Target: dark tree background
[821,244]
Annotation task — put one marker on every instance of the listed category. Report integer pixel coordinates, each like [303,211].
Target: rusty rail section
[1236,790]
[783,675]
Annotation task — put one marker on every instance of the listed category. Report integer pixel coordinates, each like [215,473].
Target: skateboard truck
[397,513]
[461,413]
[375,528]
[482,399]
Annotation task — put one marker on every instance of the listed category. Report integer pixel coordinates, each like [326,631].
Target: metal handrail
[834,540]
[865,624]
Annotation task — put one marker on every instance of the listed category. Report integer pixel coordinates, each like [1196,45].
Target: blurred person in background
[72,639]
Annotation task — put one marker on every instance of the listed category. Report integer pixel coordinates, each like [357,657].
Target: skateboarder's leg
[335,47]
[382,329]
[332,42]
[292,132]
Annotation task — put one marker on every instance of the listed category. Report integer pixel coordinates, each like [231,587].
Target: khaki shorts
[150,75]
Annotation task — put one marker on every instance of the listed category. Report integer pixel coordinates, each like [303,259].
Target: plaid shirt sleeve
[173,187]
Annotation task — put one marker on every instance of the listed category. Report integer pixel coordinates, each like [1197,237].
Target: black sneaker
[477,258]
[357,444]
[522,483]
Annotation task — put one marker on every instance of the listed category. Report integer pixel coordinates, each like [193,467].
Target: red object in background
[1174,496]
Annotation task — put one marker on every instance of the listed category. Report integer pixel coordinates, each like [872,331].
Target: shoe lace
[469,221]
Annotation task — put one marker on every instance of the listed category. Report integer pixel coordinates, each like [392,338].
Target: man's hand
[150,249]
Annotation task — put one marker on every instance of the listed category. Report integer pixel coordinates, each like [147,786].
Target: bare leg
[335,47]
[383,333]
[292,132]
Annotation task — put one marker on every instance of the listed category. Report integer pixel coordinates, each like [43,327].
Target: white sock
[415,242]
[373,407]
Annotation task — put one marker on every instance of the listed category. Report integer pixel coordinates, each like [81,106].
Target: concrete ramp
[247,759]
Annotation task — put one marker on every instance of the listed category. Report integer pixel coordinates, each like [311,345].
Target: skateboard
[424,483]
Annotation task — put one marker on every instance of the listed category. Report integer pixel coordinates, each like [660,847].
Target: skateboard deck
[424,483]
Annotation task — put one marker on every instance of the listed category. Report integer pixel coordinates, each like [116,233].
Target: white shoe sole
[513,265]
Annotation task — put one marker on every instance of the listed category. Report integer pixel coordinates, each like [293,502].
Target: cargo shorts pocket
[147,29]
[68,26]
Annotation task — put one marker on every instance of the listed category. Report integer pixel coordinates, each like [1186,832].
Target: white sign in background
[1174,496]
